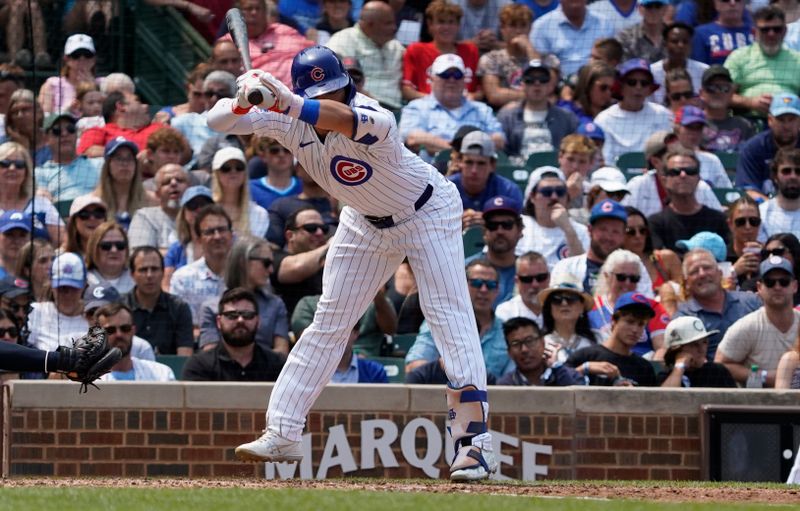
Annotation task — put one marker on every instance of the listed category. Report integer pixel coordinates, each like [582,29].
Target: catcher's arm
[88,359]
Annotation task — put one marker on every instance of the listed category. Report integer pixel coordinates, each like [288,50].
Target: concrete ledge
[233,396]
[364,398]
[65,394]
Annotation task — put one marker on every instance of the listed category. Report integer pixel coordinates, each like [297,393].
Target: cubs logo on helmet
[317,70]
[350,171]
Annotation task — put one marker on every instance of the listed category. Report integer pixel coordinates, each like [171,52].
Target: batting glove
[287,102]
[244,84]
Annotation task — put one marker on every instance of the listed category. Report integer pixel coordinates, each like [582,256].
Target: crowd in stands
[629,172]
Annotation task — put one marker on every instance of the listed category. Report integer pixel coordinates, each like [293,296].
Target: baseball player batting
[398,206]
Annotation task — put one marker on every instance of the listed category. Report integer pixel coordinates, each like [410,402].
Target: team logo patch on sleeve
[350,171]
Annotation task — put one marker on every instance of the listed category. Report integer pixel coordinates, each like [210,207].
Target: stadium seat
[442,156]
[632,163]
[727,195]
[728,159]
[62,207]
[395,368]
[537,160]
[473,240]
[402,343]
[175,362]
[514,173]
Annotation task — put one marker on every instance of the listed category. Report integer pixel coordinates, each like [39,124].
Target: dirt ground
[609,490]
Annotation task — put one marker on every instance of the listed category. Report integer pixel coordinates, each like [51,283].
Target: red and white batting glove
[245,83]
[287,102]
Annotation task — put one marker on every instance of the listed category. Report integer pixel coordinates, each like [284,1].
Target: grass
[293,499]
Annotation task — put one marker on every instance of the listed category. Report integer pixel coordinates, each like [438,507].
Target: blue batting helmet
[316,71]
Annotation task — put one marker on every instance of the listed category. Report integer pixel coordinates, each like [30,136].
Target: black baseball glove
[89,358]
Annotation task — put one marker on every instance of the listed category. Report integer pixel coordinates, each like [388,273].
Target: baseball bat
[238,30]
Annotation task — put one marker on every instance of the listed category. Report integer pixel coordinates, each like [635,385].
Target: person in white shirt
[628,123]
[678,46]
[620,14]
[532,276]
[689,123]
[117,321]
[781,213]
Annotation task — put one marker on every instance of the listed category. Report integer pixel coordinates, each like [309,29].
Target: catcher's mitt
[89,358]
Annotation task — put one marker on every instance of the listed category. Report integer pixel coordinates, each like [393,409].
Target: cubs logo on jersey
[350,171]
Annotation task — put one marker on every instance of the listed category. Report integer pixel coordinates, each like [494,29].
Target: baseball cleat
[473,464]
[270,447]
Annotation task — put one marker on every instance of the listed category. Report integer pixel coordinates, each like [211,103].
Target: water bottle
[754,378]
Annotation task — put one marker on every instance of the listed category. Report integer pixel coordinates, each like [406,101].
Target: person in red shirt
[444,19]
[125,117]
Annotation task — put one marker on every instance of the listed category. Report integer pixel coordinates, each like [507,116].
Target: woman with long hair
[185,250]
[58,93]
[592,91]
[24,125]
[86,214]
[678,90]
[564,312]
[250,266]
[663,265]
[744,252]
[107,257]
[16,191]
[231,190]
[33,265]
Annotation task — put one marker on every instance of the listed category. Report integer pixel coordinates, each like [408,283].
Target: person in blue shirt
[354,369]
[713,42]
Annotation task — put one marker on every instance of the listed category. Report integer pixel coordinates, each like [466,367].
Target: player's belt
[384,222]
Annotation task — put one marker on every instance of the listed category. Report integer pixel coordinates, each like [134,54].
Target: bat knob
[255,97]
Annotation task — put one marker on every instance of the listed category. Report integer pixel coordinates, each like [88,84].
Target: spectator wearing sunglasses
[430,121]
[86,213]
[679,90]
[249,267]
[724,131]
[230,189]
[678,45]
[763,336]
[766,68]
[732,29]
[187,248]
[117,320]
[621,274]
[58,92]
[565,308]
[534,125]
[690,121]
[628,123]
[66,175]
[531,277]
[297,270]
[482,280]
[744,250]
[663,266]
[107,257]
[280,180]
[785,245]
[238,357]
[502,230]
[683,216]
[547,227]
[781,213]
[155,225]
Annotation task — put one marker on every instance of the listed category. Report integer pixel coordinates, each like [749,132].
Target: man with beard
[155,226]
[503,229]
[607,222]
[684,216]
[613,362]
[753,168]
[238,357]
[531,277]
[118,323]
[782,212]
[707,300]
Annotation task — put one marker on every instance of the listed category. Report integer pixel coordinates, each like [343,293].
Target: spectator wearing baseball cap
[628,123]
[230,188]
[683,216]
[690,121]
[677,44]
[763,336]
[686,344]
[605,183]
[430,121]
[724,130]
[647,192]
[753,168]
[534,125]
[478,182]
[594,133]
[547,226]
[15,230]
[710,241]
[16,297]
[614,362]
[502,231]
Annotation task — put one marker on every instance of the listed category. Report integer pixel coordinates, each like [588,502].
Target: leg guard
[474,459]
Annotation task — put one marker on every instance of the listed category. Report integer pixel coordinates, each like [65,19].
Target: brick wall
[659,442]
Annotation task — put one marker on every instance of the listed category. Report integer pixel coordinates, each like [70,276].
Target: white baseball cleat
[473,464]
[270,447]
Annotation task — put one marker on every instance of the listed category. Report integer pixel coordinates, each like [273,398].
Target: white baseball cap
[68,270]
[225,155]
[610,179]
[685,330]
[78,42]
[447,61]
[537,174]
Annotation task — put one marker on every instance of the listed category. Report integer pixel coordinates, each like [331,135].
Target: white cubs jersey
[375,174]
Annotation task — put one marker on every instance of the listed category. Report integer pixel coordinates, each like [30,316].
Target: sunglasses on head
[491,285]
[11,331]
[493,225]
[234,315]
[106,246]
[788,171]
[771,281]
[677,96]
[778,251]
[277,149]
[20,164]
[58,130]
[549,191]
[528,279]
[676,171]
[125,329]
[218,93]
[633,231]
[266,261]
[537,78]
[720,88]
[451,74]
[754,221]
[564,298]
[622,277]
[633,82]
[81,54]
[86,214]
[230,167]
[312,228]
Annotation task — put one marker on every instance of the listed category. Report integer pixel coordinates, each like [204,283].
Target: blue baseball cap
[634,301]
[592,131]
[784,103]
[651,2]
[608,209]
[15,219]
[690,115]
[775,262]
[113,145]
[710,241]
[196,191]
[502,204]
[629,66]
[98,295]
